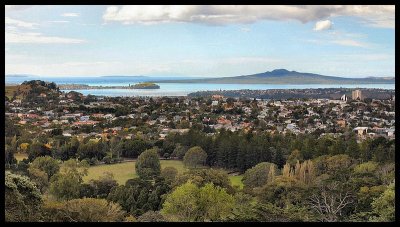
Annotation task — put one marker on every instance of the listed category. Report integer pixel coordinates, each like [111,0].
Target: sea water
[173,89]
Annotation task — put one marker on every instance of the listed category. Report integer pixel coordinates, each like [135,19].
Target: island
[146,85]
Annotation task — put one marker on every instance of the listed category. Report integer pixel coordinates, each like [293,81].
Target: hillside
[283,76]
[32,89]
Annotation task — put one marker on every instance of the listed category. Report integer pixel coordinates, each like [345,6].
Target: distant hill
[18,75]
[31,90]
[283,76]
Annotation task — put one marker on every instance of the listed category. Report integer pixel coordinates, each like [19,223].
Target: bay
[173,89]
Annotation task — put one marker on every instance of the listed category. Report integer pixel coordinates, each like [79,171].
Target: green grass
[20,156]
[236,181]
[125,171]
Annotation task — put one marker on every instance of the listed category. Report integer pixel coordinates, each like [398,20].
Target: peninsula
[145,85]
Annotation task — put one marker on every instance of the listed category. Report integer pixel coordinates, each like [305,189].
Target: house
[84,118]
[214,103]
[79,123]
[341,123]
[361,131]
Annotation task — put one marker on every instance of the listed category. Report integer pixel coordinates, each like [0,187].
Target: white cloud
[70,14]
[380,16]
[350,42]
[19,23]
[31,37]
[323,25]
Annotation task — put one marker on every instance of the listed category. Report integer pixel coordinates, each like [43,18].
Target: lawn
[125,171]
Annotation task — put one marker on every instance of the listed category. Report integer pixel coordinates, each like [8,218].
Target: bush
[107,160]
[93,161]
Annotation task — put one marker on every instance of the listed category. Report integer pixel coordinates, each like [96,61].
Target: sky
[200,41]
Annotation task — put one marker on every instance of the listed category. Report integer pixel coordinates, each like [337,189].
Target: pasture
[126,170]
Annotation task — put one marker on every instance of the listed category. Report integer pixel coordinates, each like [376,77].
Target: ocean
[172,89]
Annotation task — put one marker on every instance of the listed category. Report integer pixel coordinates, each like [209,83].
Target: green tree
[22,199]
[67,183]
[195,157]
[201,177]
[169,174]
[148,164]
[294,157]
[83,210]
[47,164]
[191,203]
[179,151]
[258,175]
[215,202]
[384,205]
[103,185]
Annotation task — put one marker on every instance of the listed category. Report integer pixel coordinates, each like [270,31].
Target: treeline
[236,151]
[240,151]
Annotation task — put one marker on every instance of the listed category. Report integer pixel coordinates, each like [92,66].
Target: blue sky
[205,41]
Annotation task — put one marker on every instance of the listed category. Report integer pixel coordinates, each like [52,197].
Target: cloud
[323,25]
[70,14]
[19,23]
[59,21]
[350,42]
[31,37]
[378,16]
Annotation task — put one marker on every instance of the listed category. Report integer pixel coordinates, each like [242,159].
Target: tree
[384,205]
[294,157]
[47,164]
[91,149]
[215,202]
[39,177]
[169,173]
[330,201]
[37,149]
[201,177]
[151,216]
[194,157]
[179,151]
[22,199]
[83,210]
[66,184]
[258,175]
[148,164]
[103,185]
[188,202]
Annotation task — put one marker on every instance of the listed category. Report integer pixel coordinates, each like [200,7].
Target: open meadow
[125,171]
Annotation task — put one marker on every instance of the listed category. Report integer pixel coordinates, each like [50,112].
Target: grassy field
[20,156]
[125,171]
